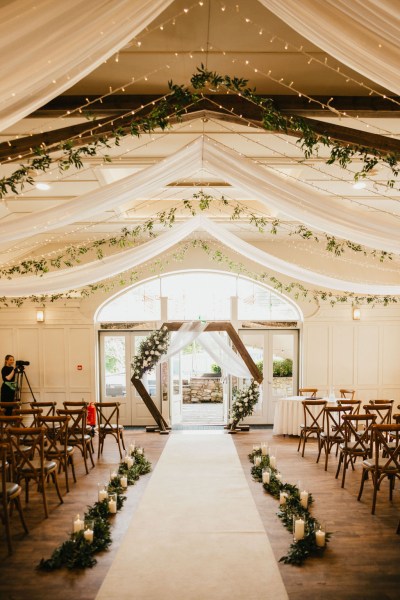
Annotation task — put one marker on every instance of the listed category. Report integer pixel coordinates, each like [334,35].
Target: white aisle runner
[197,534]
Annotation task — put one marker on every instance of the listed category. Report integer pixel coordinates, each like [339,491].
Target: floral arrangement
[304,548]
[243,404]
[77,552]
[150,350]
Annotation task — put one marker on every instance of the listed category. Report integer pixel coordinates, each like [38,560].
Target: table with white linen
[289,414]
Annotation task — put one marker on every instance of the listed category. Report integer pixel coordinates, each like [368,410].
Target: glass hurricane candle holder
[112,503]
[266,475]
[88,530]
[320,535]
[102,493]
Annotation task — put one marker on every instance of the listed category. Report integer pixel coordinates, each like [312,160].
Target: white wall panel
[8,343]
[54,367]
[80,354]
[28,339]
[316,363]
[343,355]
[391,354]
[368,355]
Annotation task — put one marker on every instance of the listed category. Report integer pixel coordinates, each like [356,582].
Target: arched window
[198,294]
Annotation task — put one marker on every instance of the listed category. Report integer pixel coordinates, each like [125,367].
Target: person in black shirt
[8,377]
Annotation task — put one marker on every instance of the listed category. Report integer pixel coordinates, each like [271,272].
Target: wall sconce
[40,316]
[356,314]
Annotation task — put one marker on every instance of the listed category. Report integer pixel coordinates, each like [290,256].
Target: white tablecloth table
[289,414]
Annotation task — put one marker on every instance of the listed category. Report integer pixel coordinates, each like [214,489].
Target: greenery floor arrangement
[92,533]
[294,507]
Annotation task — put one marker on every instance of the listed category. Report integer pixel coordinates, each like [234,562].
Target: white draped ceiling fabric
[90,273]
[47,46]
[212,343]
[362,34]
[294,199]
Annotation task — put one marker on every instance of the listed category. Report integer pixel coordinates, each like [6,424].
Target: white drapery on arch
[362,34]
[99,270]
[47,46]
[212,343]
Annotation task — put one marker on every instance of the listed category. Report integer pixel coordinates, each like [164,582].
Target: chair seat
[369,463]
[333,438]
[352,447]
[110,427]
[11,488]
[87,438]
[48,466]
[60,450]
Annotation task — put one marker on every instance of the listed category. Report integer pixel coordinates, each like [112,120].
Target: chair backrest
[24,460]
[7,421]
[314,413]
[347,394]
[354,404]
[73,405]
[383,412]
[387,455]
[56,432]
[311,392]
[107,413]
[76,424]
[30,414]
[8,407]
[360,440]
[396,418]
[48,408]
[334,424]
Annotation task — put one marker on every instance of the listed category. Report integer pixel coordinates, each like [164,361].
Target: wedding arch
[156,347]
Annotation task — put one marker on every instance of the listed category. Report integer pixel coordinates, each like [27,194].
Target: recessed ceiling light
[359,185]
[42,186]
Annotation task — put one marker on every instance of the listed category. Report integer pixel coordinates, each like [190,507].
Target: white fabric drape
[212,343]
[362,34]
[184,162]
[76,277]
[295,199]
[47,46]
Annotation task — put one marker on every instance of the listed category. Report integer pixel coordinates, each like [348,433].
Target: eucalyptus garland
[72,255]
[150,351]
[77,552]
[176,103]
[243,404]
[307,547]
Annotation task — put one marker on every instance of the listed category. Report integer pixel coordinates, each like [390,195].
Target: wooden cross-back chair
[357,442]
[386,403]
[10,492]
[7,421]
[349,394]
[385,461]
[32,465]
[354,404]
[29,416]
[8,407]
[108,424]
[77,434]
[310,392]
[57,448]
[48,408]
[383,412]
[333,434]
[313,422]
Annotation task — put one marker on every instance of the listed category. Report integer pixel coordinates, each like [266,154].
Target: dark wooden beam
[147,399]
[229,108]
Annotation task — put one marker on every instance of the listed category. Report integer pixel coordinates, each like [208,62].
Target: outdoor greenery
[283,368]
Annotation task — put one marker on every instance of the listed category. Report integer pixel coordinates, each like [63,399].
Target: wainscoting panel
[368,355]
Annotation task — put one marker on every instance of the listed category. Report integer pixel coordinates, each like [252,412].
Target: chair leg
[339,465]
[345,465]
[319,451]
[55,481]
[375,482]
[122,440]
[363,478]
[89,451]
[301,435]
[21,514]
[71,462]
[100,446]
[304,445]
[43,491]
[8,529]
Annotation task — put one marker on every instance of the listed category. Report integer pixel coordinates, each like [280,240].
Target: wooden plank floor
[362,561]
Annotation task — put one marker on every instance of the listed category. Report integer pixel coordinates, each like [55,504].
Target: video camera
[21,364]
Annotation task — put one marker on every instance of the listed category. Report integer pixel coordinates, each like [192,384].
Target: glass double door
[275,352]
[117,350]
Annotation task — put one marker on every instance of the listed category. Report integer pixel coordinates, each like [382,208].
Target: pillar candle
[78,524]
[282,498]
[88,535]
[257,461]
[103,495]
[266,476]
[124,481]
[304,499]
[113,475]
[320,538]
[279,476]
[299,529]
[272,461]
[112,506]
[129,462]
[139,450]
[264,450]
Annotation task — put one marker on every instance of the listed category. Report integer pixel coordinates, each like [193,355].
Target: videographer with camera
[8,388]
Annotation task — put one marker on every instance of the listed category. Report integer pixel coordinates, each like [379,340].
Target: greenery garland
[72,255]
[76,552]
[297,290]
[150,351]
[177,103]
[243,404]
[299,550]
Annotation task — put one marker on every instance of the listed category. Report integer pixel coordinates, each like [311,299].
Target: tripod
[21,375]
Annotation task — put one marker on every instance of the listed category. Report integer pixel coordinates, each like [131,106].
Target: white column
[234,312]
